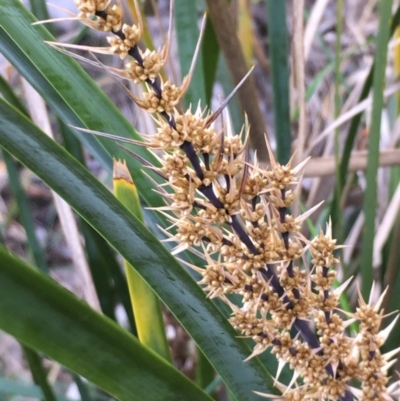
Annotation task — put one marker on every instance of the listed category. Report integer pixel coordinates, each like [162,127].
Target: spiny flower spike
[236,216]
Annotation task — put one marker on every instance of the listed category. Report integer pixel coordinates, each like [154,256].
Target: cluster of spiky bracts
[235,215]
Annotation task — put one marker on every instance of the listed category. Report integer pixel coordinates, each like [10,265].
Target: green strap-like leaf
[200,317]
[47,317]
[16,187]
[279,54]
[24,212]
[370,202]
[146,305]
[210,54]
[20,388]
[39,374]
[187,33]
[106,272]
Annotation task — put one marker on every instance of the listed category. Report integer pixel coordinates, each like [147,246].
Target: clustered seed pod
[236,215]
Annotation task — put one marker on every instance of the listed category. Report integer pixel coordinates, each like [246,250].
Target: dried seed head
[331,388]
[270,302]
[175,165]
[121,47]
[275,198]
[281,176]
[323,278]
[204,139]
[229,168]
[190,233]
[322,249]
[88,8]
[293,251]
[233,146]
[219,281]
[248,324]
[291,224]
[113,20]
[336,348]
[230,199]
[295,279]
[213,215]
[329,329]
[254,184]
[260,230]
[167,138]
[326,302]
[148,70]
[232,252]
[370,321]
[170,96]
[207,179]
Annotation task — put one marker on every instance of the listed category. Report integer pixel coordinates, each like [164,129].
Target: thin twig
[322,166]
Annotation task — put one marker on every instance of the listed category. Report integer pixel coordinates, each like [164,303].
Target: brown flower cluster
[237,216]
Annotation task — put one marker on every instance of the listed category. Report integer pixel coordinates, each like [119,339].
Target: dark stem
[206,158]
[208,192]
[347,396]
[188,148]
[242,234]
[254,202]
[228,183]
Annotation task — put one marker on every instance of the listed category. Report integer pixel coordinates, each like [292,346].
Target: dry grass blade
[385,227]
[364,105]
[313,24]
[38,112]
[323,166]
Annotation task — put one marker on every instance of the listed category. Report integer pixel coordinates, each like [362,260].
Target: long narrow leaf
[34,361]
[210,55]
[19,388]
[16,187]
[101,258]
[385,9]
[146,305]
[24,212]
[83,389]
[38,373]
[187,32]
[279,54]
[54,321]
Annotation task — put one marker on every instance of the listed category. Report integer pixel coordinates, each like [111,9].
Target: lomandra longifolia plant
[236,215]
